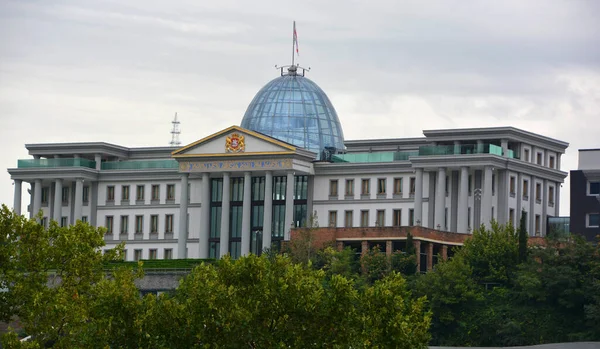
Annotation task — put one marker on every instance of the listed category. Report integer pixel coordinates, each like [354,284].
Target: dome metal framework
[294,109]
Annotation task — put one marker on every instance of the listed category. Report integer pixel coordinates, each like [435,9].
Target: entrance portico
[254,189]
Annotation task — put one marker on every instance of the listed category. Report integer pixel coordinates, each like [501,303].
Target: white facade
[451,180]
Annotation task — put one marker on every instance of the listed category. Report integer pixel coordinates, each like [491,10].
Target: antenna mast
[175,132]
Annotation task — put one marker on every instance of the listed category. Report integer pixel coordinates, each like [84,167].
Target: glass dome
[295,110]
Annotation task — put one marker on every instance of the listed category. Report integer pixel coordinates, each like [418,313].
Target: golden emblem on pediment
[235,143]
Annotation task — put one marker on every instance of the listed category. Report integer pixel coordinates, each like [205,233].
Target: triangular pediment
[234,141]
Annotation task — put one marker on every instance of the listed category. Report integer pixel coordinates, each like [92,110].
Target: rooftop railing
[140,164]
[49,163]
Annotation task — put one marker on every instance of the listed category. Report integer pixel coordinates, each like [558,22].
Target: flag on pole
[296,39]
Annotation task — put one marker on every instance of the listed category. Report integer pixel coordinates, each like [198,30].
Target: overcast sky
[117,71]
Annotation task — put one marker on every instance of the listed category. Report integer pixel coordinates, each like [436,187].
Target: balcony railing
[49,163]
[140,165]
[463,149]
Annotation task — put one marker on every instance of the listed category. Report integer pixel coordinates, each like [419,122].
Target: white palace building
[240,190]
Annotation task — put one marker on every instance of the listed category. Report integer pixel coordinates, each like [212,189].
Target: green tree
[375,265]
[523,236]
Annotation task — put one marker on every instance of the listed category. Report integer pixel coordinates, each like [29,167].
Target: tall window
[333,219]
[65,195]
[469,218]
[348,219]
[85,195]
[154,223]
[155,192]
[216,199]
[365,187]
[349,187]
[493,184]
[551,196]
[64,221]
[526,155]
[168,253]
[511,216]
[525,189]
[110,193]
[397,186]
[333,187]
[125,193]
[137,255]
[168,223]
[45,195]
[139,224]
[124,224]
[470,184]
[537,224]
[364,218]
[512,185]
[539,159]
[447,185]
[413,185]
[152,253]
[380,218]
[109,224]
[139,192]
[381,182]
[397,218]
[538,192]
[551,161]
[171,192]
[411,217]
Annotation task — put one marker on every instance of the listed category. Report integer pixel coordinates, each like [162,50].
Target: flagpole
[293,41]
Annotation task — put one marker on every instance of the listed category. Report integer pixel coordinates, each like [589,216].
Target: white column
[246,213]
[418,209]
[289,205]
[204,217]
[58,185]
[463,201]
[440,200]
[183,210]
[98,159]
[486,197]
[268,211]
[224,246]
[78,199]
[17,197]
[37,197]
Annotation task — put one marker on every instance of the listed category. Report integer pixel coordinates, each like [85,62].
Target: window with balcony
[349,187]
[124,193]
[169,223]
[110,193]
[364,218]
[380,218]
[155,192]
[109,224]
[139,224]
[333,188]
[171,192]
[397,218]
[154,223]
[381,182]
[124,224]
[397,186]
[348,219]
[332,219]
[139,193]
[365,187]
